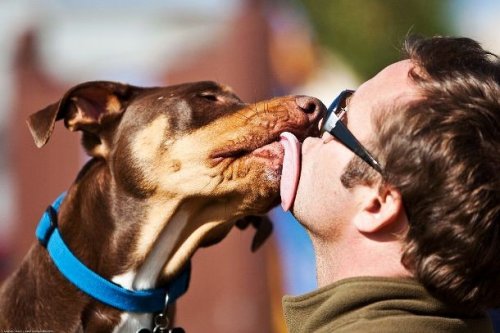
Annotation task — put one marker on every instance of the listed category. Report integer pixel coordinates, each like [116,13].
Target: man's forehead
[390,86]
[397,70]
[391,83]
[396,73]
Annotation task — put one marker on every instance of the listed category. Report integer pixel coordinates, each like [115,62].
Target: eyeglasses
[333,124]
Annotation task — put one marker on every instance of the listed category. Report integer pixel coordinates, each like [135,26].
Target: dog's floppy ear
[263,229]
[87,107]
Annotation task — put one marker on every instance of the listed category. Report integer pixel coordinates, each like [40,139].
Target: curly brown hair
[443,154]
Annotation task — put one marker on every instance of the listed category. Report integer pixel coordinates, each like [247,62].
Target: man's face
[322,204]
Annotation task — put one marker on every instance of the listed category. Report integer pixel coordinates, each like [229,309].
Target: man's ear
[381,206]
[89,107]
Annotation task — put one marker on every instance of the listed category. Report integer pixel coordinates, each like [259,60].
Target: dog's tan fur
[173,169]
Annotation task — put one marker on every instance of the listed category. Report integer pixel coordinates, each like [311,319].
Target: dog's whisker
[240,113]
[255,108]
[205,186]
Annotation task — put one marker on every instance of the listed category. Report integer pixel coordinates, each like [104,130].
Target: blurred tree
[367,34]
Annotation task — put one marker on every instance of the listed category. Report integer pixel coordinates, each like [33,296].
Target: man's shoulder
[377,305]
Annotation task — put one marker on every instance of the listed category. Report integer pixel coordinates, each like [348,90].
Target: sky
[480,20]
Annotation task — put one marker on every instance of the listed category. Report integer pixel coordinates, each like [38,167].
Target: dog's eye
[209,97]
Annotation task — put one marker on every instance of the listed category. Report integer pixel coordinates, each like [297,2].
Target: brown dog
[172,169]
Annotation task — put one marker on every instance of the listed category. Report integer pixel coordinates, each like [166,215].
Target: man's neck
[360,257]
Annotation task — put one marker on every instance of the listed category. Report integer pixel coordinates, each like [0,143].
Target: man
[401,198]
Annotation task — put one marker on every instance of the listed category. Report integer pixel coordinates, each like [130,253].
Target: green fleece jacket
[378,305]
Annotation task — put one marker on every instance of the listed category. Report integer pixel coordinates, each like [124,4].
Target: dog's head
[194,149]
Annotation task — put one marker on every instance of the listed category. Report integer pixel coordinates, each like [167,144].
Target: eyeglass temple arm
[344,135]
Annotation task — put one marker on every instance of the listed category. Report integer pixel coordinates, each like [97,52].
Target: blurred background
[260,48]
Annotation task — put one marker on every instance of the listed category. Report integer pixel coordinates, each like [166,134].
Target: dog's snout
[310,105]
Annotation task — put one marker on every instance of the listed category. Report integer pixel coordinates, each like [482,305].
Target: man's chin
[296,210]
[301,210]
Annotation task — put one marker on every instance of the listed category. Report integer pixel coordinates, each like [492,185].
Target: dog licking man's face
[192,150]
[205,142]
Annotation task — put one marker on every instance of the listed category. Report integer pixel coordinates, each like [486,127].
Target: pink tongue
[291,169]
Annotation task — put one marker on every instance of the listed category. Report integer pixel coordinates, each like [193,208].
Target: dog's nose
[313,107]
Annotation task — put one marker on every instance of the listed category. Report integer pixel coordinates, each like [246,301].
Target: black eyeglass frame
[333,125]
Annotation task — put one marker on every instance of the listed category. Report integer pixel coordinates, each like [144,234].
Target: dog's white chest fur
[146,277]
[131,322]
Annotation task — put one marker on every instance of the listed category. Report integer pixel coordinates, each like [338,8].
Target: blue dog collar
[94,285]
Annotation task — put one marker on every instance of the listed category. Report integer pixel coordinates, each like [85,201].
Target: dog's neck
[120,233]
[110,240]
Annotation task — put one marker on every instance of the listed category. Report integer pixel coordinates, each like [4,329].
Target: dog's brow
[226,89]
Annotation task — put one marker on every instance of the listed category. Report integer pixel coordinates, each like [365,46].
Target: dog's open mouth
[274,152]
[269,147]
[271,153]
[282,153]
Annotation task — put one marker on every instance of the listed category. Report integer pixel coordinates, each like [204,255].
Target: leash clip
[162,322]
[161,319]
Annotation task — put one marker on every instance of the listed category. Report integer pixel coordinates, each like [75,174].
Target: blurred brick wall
[40,174]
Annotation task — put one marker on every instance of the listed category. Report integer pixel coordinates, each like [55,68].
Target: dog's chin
[268,160]
[268,163]
[260,171]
